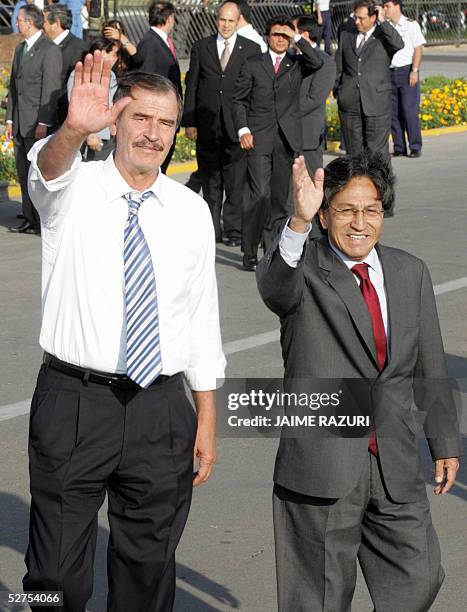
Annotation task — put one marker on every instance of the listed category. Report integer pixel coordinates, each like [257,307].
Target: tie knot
[226,43]
[361,270]
[135,199]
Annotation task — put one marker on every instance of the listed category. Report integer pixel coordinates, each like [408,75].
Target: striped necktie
[143,352]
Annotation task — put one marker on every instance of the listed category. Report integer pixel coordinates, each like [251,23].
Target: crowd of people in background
[252,102]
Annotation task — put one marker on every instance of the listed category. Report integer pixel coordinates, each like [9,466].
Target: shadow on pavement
[14,520]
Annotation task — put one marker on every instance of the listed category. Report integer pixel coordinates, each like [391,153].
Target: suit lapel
[353,42]
[285,65]
[267,65]
[395,291]
[341,280]
[212,49]
[237,51]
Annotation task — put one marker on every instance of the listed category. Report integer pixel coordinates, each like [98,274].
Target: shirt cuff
[9,121]
[242,131]
[55,184]
[46,124]
[291,245]
[297,37]
[207,377]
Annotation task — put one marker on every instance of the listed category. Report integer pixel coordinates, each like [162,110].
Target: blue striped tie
[143,351]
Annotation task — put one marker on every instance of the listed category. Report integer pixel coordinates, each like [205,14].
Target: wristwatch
[414,70]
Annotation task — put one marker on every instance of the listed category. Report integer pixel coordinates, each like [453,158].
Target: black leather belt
[101,378]
[405,68]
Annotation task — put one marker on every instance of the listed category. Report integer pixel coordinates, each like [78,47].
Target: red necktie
[372,301]
[277,63]
[171,47]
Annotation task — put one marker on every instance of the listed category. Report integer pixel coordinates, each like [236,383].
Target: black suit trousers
[86,440]
[222,165]
[361,131]
[22,147]
[267,205]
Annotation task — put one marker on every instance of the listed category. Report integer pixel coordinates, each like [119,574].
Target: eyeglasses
[347,214]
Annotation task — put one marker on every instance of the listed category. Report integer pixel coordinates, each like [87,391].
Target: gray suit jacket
[326,332]
[35,87]
[313,95]
[366,78]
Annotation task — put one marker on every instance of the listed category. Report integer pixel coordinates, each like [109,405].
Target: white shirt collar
[371,259]
[366,34]
[274,55]
[161,33]
[61,37]
[117,187]
[231,40]
[33,39]
[402,20]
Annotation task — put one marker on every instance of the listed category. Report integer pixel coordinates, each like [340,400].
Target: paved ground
[226,557]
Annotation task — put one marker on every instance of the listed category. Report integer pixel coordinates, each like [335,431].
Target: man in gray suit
[353,311]
[363,83]
[35,87]
[314,92]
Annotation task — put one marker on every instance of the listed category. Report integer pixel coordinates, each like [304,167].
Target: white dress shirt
[162,34]
[58,39]
[412,36]
[83,215]
[33,39]
[323,5]
[221,43]
[291,247]
[248,31]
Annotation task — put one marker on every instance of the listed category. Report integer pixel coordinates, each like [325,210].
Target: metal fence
[442,22]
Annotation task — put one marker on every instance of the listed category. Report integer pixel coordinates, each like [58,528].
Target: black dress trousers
[86,440]
[267,206]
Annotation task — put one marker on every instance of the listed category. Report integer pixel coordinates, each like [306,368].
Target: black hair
[159,12]
[278,20]
[60,13]
[100,44]
[244,8]
[374,166]
[114,23]
[368,4]
[308,23]
[150,82]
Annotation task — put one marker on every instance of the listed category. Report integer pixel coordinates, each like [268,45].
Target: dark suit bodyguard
[353,309]
[267,117]
[314,92]
[363,82]
[156,52]
[208,118]
[57,24]
[35,87]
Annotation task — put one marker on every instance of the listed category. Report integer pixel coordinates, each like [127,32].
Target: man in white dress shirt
[405,83]
[127,310]
[353,309]
[244,27]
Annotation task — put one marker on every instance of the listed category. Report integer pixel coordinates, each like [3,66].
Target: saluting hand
[308,194]
[89,111]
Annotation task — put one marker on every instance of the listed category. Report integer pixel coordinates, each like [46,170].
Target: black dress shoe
[250,263]
[414,154]
[233,242]
[25,228]
[399,154]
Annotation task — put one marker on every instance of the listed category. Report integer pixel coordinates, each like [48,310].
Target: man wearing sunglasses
[267,118]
